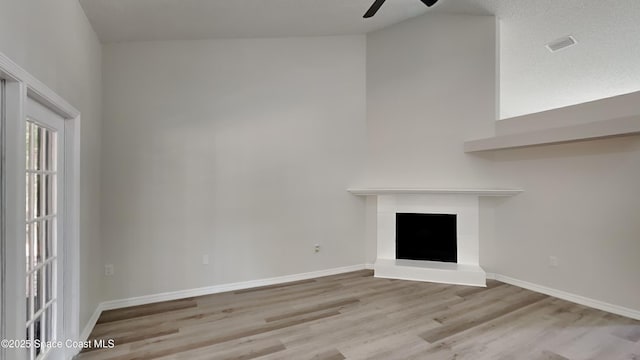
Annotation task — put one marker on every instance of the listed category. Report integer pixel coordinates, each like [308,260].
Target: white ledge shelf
[624,126]
[400,191]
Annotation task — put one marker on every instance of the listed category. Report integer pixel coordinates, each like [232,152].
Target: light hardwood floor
[357,316]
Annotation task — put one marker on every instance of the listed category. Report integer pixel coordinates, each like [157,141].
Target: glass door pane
[41,239]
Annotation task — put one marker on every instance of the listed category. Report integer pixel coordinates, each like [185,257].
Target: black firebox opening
[430,237]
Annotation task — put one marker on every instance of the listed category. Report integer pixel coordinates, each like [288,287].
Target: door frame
[21,85]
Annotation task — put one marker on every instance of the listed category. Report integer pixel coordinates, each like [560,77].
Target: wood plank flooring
[357,316]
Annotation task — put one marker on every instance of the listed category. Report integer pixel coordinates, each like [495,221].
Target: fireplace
[443,238]
[460,208]
[431,237]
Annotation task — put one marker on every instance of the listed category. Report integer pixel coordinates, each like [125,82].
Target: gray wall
[604,63]
[427,93]
[54,42]
[581,204]
[239,149]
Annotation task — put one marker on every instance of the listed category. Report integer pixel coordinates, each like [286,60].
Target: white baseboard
[208,290]
[84,336]
[368,266]
[215,289]
[578,299]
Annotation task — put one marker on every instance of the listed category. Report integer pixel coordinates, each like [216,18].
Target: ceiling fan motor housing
[378,3]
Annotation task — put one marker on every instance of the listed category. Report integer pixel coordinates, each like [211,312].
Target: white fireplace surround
[461,202]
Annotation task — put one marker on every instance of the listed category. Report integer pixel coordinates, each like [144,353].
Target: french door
[44,230]
[3,248]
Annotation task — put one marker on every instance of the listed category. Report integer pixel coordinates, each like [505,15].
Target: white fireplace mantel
[400,191]
[464,203]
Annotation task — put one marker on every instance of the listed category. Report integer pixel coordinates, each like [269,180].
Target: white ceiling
[605,62]
[142,20]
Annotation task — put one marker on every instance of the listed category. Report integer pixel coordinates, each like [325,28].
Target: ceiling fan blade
[373,9]
[429,2]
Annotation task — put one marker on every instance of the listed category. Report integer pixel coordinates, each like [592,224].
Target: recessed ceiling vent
[561,43]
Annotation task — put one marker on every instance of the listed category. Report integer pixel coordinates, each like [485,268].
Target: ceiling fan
[378,3]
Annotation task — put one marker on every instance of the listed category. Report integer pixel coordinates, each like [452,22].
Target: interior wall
[241,150]
[580,205]
[430,86]
[426,94]
[604,63]
[54,41]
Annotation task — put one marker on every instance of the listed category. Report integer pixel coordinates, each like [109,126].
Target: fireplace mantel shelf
[401,191]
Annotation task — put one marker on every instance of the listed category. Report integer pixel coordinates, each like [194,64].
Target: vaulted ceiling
[605,62]
[140,20]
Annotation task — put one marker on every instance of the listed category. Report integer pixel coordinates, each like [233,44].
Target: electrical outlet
[205,259]
[316,248]
[108,270]
[553,261]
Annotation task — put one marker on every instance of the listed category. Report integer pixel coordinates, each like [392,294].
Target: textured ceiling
[604,63]
[141,20]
